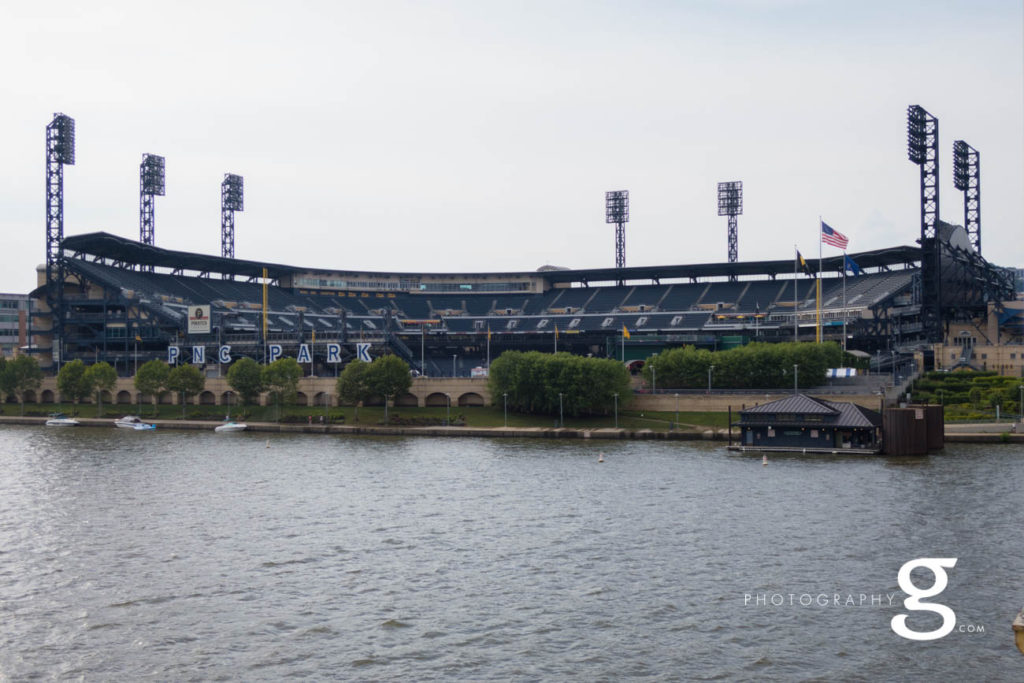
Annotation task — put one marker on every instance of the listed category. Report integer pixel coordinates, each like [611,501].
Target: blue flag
[852,266]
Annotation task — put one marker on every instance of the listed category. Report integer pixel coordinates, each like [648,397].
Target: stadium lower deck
[126,303]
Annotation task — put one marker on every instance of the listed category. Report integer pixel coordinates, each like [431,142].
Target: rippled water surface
[176,556]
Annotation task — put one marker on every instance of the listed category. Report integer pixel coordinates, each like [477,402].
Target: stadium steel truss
[126,302]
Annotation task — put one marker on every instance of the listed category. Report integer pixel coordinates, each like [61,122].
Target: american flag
[833,237]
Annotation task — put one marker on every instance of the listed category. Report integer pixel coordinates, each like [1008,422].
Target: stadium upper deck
[125,299]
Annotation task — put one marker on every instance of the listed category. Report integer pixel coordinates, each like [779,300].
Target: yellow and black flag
[802,263]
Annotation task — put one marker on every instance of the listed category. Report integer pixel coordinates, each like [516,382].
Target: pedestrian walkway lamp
[677,411]
[616,395]
[561,418]
[711,369]
[448,413]
[796,376]
[506,410]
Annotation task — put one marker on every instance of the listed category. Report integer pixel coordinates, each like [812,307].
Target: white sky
[479,136]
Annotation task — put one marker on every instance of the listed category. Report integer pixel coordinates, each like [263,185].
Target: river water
[185,556]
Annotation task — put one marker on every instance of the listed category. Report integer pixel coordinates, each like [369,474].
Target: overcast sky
[479,136]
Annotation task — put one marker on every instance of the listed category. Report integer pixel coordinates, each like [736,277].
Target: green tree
[534,380]
[246,377]
[388,376]
[187,381]
[351,386]
[151,379]
[72,381]
[27,376]
[281,378]
[101,377]
[974,396]
[6,379]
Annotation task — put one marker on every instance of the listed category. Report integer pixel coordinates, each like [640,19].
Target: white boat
[61,420]
[133,422]
[231,427]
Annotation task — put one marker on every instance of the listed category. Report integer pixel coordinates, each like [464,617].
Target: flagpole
[817,289]
[796,261]
[844,300]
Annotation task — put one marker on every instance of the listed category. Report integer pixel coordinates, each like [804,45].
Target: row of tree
[387,376]
[759,365]
[545,383]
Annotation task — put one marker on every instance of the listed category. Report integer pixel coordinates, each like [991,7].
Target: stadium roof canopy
[119,249]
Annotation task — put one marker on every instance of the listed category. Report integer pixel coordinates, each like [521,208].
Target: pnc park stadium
[101,297]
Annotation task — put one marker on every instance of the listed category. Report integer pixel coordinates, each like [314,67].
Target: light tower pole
[923,150]
[730,203]
[967,178]
[231,200]
[616,210]
[151,184]
[60,150]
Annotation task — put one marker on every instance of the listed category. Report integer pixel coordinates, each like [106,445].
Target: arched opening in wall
[471,399]
[436,400]
[46,396]
[374,401]
[166,398]
[301,399]
[106,397]
[322,398]
[229,398]
[29,396]
[207,398]
[407,401]
[124,397]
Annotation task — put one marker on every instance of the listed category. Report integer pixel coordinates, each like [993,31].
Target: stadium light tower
[230,201]
[730,203]
[151,184]
[923,150]
[967,177]
[616,210]
[60,150]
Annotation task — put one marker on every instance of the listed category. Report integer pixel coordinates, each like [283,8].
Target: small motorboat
[231,427]
[61,420]
[133,422]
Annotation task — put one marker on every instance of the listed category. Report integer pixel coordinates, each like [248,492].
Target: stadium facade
[103,297]
[126,302]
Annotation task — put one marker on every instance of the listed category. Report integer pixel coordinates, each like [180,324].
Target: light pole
[1020,404]
[616,395]
[448,413]
[454,356]
[796,377]
[506,409]
[711,369]
[423,362]
[561,418]
[677,411]
[654,379]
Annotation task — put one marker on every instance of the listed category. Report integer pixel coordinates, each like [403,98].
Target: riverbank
[974,433]
[386,430]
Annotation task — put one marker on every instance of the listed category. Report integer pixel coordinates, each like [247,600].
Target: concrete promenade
[991,433]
